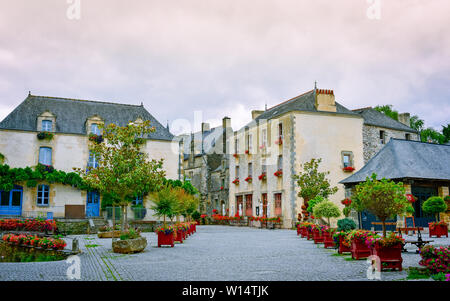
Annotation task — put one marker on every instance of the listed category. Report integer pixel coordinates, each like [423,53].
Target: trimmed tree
[123,170]
[313,183]
[165,203]
[327,209]
[434,205]
[385,199]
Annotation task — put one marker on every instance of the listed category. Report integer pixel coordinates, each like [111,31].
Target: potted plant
[130,241]
[45,135]
[248,179]
[328,241]
[326,209]
[236,156]
[278,173]
[236,181]
[356,240]
[262,177]
[165,236]
[388,249]
[339,237]
[435,205]
[318,234]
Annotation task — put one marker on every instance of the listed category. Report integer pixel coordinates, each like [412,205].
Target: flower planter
[304,232]
[342,247]
[317,236]
[390,257]
[298,230]
[328,241]
[179,236]
[438,230]
[310,234]
[165,239]
[359,249]
[108,234]
[129,246]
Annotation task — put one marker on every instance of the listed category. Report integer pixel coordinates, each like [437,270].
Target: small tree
[165,203]
[434,205]
[123,171]
[385,199]
[346,224]
[312,203]
[313,183]
[327,209]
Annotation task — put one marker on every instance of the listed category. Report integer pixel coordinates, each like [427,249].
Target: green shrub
[434,205]
[326,209]
[318,199]
[130,234]
[346,224]
[196,215]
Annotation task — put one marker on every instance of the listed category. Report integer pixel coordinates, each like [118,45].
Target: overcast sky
[228,57]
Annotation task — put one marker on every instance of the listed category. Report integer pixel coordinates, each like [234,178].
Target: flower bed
[35,241]
[34,225]
[435,259]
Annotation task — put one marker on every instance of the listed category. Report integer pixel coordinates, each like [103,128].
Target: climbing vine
[31,176]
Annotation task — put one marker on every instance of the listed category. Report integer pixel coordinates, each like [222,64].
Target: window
[277,204]
[93,161]
[382,137]
[138,201]
[47,125]
[280,130]
[237,172]
[43,194]
[45,156]
[280,162]
[264,166]
[94,129]
[250,144]
[264,137]
[408,136]
[236,146]
[250,169]
[347,159]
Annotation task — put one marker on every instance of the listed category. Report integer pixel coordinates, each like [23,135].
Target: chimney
[256,113]
[227,133]
[325,100]
[405,119]
[205,127]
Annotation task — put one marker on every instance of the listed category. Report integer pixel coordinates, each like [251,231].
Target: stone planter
[130,245]
[109,234]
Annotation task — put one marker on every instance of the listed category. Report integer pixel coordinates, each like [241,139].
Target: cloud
[228,57]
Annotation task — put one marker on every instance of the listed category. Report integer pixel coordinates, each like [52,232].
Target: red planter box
[317,236]
[298,230]
[438,231]
[359,249]
[342,248]
[165,239]
[179,236]
[310,234]
[390,257]
[328,241]
[304,232]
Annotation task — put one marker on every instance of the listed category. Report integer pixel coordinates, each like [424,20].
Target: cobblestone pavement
[213,253]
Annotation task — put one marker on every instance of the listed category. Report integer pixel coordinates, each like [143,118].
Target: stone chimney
[256,113]
[404,118]
[325,100]
[205,127]
[227,134]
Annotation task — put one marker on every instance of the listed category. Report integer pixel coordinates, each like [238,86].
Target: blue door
[11,201]
[93,204]
[421,194]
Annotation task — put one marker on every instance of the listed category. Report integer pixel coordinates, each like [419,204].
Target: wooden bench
[418,243]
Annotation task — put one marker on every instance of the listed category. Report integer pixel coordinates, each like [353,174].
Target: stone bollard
[75,246]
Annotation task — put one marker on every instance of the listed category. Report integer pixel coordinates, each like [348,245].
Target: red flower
[349,168]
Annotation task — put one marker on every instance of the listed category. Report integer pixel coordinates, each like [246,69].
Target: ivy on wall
[31,176]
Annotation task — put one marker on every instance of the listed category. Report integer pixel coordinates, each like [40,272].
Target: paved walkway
[213,253]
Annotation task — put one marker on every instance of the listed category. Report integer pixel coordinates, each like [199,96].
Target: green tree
[385,199]
[388,111]
[123,170]
[416,123]
[326,209]
[431,135]
[313,183]
[346,224]
[165,203]
[434,205]
[446,133]
[312,203]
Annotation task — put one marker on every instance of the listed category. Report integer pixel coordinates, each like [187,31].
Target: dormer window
[95,129]
[47,125]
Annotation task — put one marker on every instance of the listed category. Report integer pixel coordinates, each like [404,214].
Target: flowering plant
[278,173]
[215,211]
[348,168]
[434,224]
[221,187]
[360,235]
[96,138]
[389,241]
[166,230]
[435,259]
[235,155]
[337,235]
[45,135]
[248,179]
[33,240]
[262,177]
[247,152]
[410,198]
[236,181]
[36,225]
[347,202]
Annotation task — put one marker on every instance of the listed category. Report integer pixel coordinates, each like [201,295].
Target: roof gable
[375,118]
[71,115]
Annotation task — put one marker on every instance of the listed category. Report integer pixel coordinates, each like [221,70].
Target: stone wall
[371,139]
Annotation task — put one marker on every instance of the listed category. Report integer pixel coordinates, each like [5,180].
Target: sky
[216,58]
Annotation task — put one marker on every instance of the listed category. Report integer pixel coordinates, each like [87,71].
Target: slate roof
[71,115]
[375,118]
[304,102]
[401,159]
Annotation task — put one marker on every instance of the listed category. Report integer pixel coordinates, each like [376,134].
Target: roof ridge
[365,108]
[416,141]
[85,100]
[286,101]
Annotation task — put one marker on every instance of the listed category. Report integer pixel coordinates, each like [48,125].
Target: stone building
[274,145]
[70,121]
[206,164]
[378,129]
[423,168]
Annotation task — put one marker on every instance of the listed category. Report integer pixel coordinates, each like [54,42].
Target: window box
[96,138]
[347,202]
[236,156]
[221,187]
[278,173]
[45,135]
[236,181]
[247,152]
[348,169]
[262,177]
[249,179]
